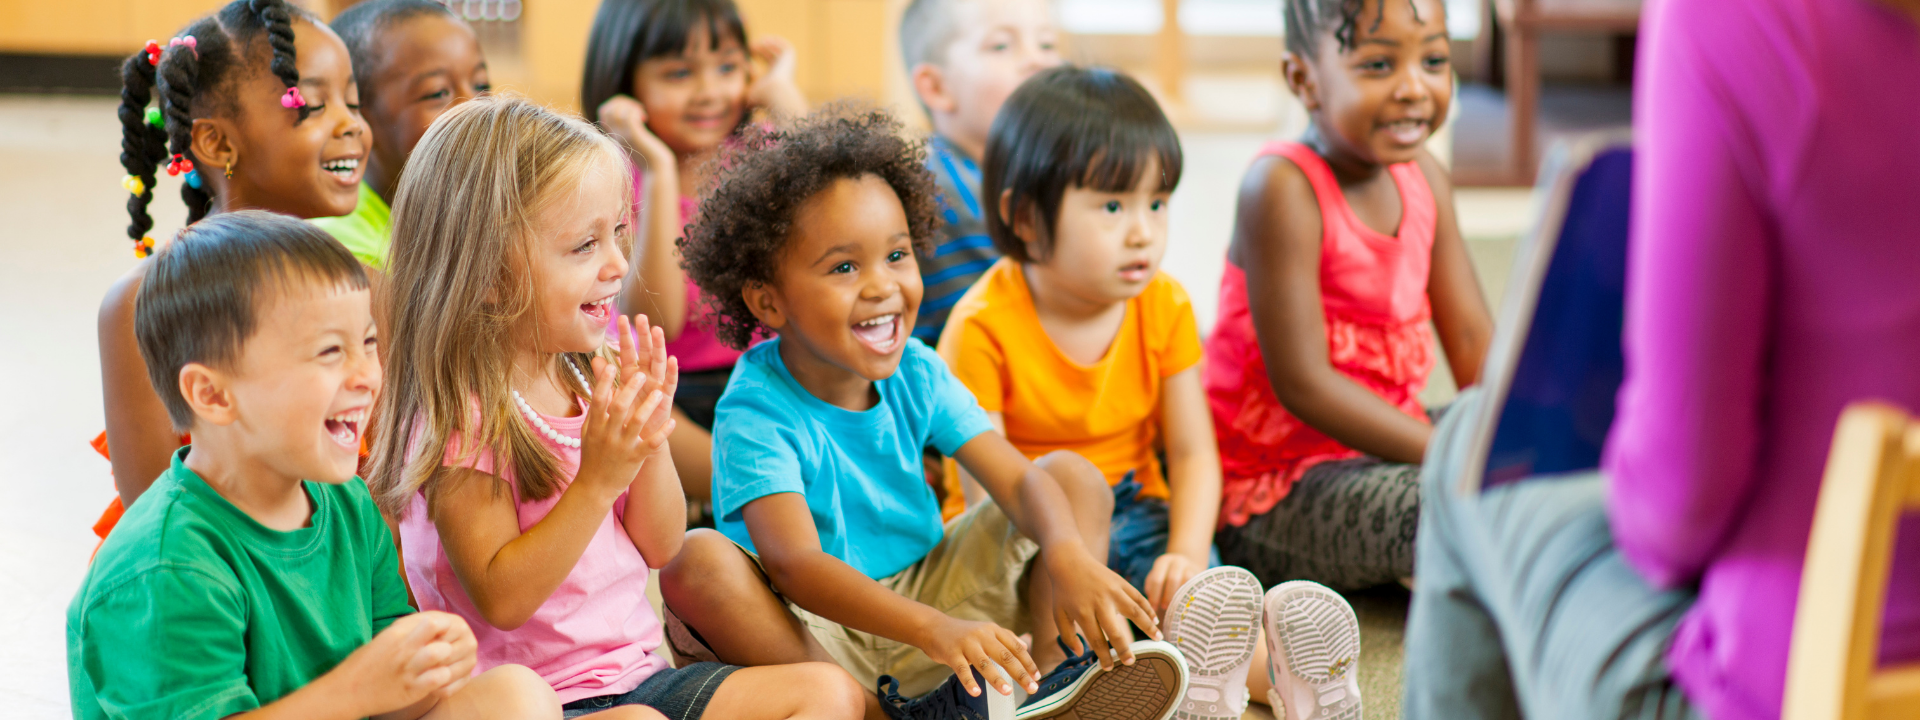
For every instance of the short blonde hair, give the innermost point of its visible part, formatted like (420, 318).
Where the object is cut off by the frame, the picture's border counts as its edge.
(463, 227)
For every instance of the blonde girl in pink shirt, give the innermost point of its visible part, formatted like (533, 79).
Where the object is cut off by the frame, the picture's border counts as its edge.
(523, 459)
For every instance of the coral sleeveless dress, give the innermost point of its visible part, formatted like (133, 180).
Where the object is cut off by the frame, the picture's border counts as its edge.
(1373, 288)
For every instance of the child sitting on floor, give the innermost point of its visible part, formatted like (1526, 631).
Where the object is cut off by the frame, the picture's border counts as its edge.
(526, 467)
(811, 233)
(964, 57)
(256, 576)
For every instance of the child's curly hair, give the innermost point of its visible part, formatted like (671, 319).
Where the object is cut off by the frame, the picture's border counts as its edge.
(739, 235)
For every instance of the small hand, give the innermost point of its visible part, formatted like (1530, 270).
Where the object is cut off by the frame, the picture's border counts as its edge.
(621, 431)
(963, 644)
(626, 119)
(662, 370)
(1095, 603)
(1170, 571)
(775, 87)
(426, 653)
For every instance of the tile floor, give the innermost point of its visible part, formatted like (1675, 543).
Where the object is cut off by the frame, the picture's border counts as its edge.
(63, 244)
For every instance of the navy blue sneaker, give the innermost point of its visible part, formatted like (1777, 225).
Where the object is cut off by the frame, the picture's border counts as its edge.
(1146, 690)
(950, 701)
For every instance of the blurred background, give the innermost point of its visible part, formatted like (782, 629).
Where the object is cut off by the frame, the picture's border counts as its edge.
(1530, 71)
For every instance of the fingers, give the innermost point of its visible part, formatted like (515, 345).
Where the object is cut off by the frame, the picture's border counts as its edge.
(1013, 658)
(600, 412)
(1157, 591)
(1141, 612)
(1095, 633)
(1068, 633)
(964, 671)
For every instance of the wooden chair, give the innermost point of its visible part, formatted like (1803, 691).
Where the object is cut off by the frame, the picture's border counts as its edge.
(1872, 477)
(1524, 22)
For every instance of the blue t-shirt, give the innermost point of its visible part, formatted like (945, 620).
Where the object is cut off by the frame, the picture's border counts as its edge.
(860, 471)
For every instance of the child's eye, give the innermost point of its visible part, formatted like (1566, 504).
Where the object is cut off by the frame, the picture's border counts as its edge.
(443, 93)
(1112, 206)
(372, 343)
(329, 352)
(896, 256)
(1157, 205)
(679, 74)
(483, 88)
(1436, 62)
(841, 269)
(1376, 66)
(728, 68)
(588, 246)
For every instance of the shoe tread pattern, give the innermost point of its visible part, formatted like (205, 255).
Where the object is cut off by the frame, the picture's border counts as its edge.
(1141, 691)
(1322, 638)
(1216, 627)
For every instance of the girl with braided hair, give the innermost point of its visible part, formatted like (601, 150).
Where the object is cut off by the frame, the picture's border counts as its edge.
(253, 106)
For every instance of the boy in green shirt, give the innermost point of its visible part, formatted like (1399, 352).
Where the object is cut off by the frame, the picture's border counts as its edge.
(257, 578)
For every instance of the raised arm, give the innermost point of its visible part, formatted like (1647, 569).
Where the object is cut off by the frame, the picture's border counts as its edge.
(1276, 240)
(1681, 459)
(655, 284)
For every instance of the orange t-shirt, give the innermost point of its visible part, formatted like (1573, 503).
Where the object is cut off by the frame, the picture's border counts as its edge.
(1109, 412)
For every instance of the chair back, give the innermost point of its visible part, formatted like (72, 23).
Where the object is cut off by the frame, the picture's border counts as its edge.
(1872, 478)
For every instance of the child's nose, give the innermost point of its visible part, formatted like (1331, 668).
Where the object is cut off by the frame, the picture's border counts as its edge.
(365, 374)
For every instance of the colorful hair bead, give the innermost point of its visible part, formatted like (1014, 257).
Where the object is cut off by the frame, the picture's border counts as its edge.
(144, 247)
(133, 184)
(188, 41)
(193, 179)
(293, 99)
(153, 52)
(155, 119)
(179, 164)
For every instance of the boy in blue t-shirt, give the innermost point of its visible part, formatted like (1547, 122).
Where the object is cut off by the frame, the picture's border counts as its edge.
(256, 577)
(810, 232)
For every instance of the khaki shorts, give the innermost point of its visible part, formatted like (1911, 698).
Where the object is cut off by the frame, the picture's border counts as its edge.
(977, 572)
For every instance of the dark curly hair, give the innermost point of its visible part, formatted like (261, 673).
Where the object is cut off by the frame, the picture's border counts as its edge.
(740, 233)
(1306, 20)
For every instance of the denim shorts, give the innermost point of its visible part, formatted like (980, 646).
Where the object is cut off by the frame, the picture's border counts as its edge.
(1139, 533)
(678, 693)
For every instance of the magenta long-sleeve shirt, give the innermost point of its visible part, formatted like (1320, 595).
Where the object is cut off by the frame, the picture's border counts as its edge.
(1774, 277)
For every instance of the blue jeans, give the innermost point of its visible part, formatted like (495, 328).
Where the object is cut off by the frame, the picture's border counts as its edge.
(1139, 534)
(1523, 606)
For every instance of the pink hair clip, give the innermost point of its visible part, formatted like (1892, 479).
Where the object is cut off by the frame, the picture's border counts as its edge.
(188, 41)
(293, 99)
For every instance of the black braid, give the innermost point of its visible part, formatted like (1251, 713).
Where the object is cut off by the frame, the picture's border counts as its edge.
(142, 146)
(179, 77)
(1307, 19)
(279, 24)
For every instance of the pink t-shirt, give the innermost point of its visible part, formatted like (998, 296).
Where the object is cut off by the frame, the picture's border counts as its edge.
(596, 635)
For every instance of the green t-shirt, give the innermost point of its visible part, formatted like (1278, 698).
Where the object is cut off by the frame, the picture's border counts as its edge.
(194, 610)
(367, 232)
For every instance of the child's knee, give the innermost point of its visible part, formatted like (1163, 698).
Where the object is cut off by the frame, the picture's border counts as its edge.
(513, 692)
(1085, 486)
(707, 558)
(834, 692)
(629, 712)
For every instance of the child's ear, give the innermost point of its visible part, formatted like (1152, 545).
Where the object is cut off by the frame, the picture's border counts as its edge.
(1020, 222)
(930, 83)
(1300, 79)
(213, 145)
(206, 392)
(764, 302)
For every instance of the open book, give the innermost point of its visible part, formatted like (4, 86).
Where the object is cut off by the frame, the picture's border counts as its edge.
(1554, 366)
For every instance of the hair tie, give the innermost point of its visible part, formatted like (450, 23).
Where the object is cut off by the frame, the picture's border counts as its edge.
(179, 164)
(293, 99)
(143, 247)
(193, 179)
(155, 119)
(153, 52)
(133, 184)
(188, 41)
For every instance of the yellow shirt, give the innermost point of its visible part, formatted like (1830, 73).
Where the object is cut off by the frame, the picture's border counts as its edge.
(1108, 412)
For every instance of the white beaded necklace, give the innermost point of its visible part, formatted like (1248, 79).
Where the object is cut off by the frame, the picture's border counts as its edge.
(540, 423)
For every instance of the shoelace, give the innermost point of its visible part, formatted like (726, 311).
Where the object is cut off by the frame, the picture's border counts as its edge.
(1068, 670)
(957, 705)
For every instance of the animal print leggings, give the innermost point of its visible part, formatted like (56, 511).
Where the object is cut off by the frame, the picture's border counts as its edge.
(1346, 524)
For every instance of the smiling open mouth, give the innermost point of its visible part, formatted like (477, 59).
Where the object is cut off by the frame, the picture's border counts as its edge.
(343, 168)
(344, 428)
(600, 310)
(880, 334)
(1410, 131)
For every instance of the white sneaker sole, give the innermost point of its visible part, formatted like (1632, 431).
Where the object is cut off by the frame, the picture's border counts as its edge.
(1314, 641)
(1214, 619)
(1145, 690)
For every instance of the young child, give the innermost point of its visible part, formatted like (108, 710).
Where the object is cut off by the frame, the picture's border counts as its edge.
(412, 59)
(256, 109)
(257, 578)
(1345, 246)
(810, 233)
(964, 57)
(521, 466)
(1075, 341)
(673, 81)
